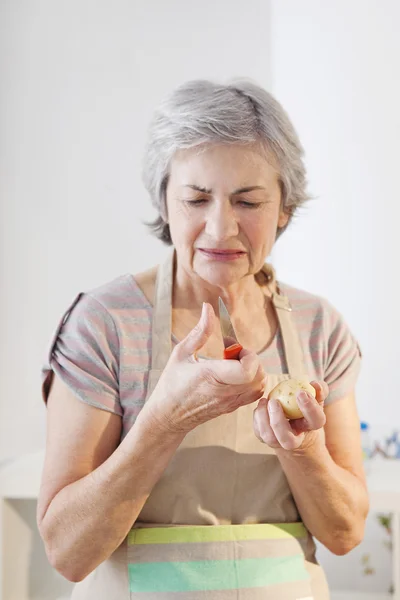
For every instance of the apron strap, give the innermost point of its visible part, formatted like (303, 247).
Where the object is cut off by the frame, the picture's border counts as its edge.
(161, 345)
(290, 336)
(291, 341)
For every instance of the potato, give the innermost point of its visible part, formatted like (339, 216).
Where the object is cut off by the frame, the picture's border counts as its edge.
(286, 393)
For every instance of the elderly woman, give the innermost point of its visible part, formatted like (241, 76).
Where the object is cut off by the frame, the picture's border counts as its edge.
(169, 472)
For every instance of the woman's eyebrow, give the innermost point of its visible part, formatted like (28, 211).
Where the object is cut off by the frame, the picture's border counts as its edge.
(243, 190)
(198, 188)
(250, 188)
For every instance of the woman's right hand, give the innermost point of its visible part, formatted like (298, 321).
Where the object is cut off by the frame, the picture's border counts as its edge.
(191, 391)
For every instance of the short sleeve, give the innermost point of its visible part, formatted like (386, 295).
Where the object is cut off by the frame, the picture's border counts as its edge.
(84, 354)
(343, 357)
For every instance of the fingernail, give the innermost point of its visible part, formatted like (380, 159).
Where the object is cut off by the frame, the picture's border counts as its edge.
(203, 313)
(273, 405)
(257, 419)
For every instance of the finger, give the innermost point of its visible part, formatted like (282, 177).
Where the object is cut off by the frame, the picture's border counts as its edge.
(237, 372)
(256, 422)
(281, 426)
(312, 411)
(198, 336)
(247, 398)
(260, 376)
(299, 426)
(321, 389)
(261, 424)
(251, 365)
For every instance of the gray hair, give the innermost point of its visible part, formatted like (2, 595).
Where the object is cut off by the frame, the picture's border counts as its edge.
(202, 112)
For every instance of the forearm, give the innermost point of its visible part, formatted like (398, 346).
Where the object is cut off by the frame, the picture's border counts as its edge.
(333, 502)
(88, 519)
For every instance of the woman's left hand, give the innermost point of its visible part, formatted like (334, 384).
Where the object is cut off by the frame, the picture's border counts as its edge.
(272, 427)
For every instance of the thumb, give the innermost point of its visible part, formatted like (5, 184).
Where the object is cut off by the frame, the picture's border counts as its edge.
(196, 338)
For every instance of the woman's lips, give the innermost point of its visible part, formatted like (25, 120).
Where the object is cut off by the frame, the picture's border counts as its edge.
(222, 255)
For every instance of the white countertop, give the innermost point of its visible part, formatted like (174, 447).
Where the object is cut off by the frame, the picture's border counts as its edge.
(20, 478)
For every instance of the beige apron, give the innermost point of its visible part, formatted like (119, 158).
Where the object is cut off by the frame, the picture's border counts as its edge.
(221, 523)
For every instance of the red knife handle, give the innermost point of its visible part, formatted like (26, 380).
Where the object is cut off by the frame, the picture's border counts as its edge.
(232, 352)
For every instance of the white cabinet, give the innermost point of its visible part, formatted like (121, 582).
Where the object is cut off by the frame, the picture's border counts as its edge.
(25, 573)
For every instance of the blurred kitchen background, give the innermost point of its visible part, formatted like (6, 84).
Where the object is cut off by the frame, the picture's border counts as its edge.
(79, 80)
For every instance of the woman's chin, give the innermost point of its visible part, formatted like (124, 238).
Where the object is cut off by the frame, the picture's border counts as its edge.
(220, 274)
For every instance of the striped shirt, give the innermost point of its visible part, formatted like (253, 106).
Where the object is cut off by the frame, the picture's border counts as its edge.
(102, 347)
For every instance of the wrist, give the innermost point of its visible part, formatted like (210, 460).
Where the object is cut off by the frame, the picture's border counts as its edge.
(157, 427)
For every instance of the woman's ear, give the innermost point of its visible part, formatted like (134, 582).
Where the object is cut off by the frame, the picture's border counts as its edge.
(283, 219)
(164, 209)
(164, 205)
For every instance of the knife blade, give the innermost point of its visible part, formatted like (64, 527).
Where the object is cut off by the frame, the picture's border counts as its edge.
(232, 346)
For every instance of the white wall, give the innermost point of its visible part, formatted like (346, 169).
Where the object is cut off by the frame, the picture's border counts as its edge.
(79, 82)
(335, 67)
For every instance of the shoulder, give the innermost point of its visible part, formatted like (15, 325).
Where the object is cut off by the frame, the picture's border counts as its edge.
(321, 325)
(103, 326)
(116, 305)
(118, 300)
(122, 293)
(305, 302)
(314, 314)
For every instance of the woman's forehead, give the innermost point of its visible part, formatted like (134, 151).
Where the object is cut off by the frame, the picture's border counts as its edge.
(237, 165)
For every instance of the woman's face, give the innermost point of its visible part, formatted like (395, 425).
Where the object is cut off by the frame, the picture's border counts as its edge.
(224, 208)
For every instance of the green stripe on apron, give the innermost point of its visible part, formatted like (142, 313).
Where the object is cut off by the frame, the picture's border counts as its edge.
(216, 575)
(219, 533)
(214, 558)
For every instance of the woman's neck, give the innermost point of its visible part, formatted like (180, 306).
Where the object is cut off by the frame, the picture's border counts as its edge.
(249, 293)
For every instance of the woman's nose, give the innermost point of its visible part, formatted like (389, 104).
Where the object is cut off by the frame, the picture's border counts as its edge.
(221, 221)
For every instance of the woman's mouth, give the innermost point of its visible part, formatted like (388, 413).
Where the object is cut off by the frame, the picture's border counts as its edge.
(222, 255)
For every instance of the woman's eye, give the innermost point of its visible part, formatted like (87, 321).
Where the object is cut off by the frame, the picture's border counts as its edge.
(196, 202)
(249, 204)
